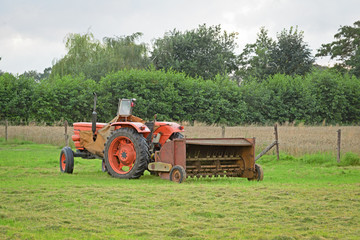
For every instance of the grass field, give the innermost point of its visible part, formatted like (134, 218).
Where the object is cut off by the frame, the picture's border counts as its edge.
(309, 197)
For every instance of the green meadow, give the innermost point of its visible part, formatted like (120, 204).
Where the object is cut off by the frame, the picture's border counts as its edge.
(308, 197)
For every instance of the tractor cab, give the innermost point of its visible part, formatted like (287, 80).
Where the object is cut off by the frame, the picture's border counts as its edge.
(125, 107)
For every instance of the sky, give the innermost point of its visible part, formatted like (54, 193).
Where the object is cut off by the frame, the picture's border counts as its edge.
(32, 32)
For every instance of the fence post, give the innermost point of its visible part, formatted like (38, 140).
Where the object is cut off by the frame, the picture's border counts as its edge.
(223, 131)
(66, 135)
(277, 141)
(6, 130)
(338, 144)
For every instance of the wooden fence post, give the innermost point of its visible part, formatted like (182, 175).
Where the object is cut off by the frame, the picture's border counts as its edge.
(277, 141)
(222, 131)
(66, 135)
(6, 130)
(338, 144)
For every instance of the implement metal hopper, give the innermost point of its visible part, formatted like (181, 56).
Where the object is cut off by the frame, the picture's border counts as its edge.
(201, 157)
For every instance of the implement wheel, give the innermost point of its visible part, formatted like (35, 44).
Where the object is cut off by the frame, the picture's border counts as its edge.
(259, 174)
(126, 154)
(66, 160)
(177, 174)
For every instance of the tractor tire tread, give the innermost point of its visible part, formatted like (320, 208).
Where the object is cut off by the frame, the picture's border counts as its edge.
(140, 144)
(69, 159)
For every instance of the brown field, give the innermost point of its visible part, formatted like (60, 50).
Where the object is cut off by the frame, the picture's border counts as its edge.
(293, 140)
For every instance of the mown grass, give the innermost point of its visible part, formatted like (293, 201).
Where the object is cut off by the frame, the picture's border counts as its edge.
(300, 198)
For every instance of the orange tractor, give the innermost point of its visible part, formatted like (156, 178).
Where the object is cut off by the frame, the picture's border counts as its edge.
(128, 146)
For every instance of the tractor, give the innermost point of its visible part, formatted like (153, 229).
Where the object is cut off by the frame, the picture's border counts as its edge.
(129, 145)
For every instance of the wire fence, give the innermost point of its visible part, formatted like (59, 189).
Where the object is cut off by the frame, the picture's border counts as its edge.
(294, 140)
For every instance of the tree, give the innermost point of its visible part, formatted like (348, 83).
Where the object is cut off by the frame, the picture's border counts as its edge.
(291, 55)
(32, 74)
(37, 76)
(94, 59)
(205, 52)
(122, 52)
(288, 55)
(81, 52)
(46, 74)
(346, 48)
(255, 58)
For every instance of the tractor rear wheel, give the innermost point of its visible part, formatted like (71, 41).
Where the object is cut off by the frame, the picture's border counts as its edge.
(66, 160)
(126, 154)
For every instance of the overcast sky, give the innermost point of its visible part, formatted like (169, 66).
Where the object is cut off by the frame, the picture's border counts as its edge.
(32, 32)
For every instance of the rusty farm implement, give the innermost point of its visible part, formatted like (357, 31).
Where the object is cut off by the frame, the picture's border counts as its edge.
(128, 146)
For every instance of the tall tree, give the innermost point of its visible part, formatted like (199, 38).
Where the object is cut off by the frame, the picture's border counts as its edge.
(255, 58)
(37, 76)
(123, 52)
(81, 52)
(205, 51)
(291, 55)
(345, 48)
(94, 59)
(288, 55)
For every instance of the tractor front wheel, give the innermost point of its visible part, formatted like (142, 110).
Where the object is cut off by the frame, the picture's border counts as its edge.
(126, 154)
(66, 160)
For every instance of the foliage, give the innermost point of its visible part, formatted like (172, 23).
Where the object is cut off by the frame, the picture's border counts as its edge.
(350, 159)
(37, 76)
(320, 95)
(345, 48)
(288, 55)
(94, 59)
(17, 94)
(319, 159)
(255, 58)
(202, 52)
(190, 80)
(65, 98)
(171, 95)
(291, 55)
(331, 103)
(280, 98)
(122, 52)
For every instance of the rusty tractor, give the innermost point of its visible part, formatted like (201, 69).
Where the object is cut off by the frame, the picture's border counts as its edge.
(128, 146)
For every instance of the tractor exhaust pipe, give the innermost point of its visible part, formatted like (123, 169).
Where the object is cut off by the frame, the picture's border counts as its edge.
(94, 116)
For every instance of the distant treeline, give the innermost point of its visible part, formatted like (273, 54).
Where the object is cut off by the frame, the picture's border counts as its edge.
(321, 95)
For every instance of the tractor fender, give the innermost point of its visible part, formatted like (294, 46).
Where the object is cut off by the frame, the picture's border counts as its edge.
(166, 129)
(138, 126)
